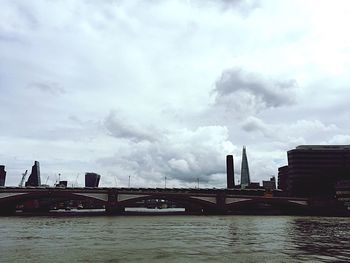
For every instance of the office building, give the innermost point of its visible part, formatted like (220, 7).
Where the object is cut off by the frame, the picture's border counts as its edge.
(245, 176)
(92, 179)
(282, 178)
(314, 170)
(270, 185)
(34, 178)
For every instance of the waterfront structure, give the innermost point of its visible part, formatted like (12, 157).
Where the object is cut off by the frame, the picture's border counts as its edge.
(2, 175)
(314, 170)
(62, 184)
(253, 185)
(230, 172)
(92, 179)
(245, 177)
(34, 178)
(270, 185)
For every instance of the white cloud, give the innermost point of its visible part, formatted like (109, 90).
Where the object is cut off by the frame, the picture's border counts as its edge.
(64, 65)
(340, 139)
(122, 128)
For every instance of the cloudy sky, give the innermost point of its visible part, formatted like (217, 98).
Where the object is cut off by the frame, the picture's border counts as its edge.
(149, 89)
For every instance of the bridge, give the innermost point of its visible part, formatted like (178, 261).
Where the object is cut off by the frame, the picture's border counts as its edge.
(115, 200)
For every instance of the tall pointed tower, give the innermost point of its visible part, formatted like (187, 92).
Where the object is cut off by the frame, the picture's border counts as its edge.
(245, 177)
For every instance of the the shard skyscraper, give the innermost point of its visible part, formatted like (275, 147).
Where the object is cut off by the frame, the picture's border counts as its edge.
(245, 177)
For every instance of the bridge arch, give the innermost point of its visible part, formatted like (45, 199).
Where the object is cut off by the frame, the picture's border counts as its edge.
(9, 201)
(274, 204)
(189, 202)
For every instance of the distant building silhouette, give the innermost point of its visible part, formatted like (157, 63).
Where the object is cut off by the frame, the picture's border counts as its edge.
(63, 183)
(245, 176)
(283, 178)
(253, 185)
(269, 185)
(2, 175)
(230, 172)
(92, 179)
(314, 170)
(34, 178)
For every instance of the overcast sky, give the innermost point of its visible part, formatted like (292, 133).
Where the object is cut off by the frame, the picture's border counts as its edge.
(149, 89)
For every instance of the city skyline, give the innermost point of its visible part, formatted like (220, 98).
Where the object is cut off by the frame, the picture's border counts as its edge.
(150, 90)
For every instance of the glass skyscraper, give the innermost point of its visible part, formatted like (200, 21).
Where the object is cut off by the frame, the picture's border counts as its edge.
(245, 177)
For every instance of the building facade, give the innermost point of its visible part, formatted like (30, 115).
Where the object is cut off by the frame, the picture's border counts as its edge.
(269, 185)
(314, 170)
(34, 178)
(92, 179)
(282, 178)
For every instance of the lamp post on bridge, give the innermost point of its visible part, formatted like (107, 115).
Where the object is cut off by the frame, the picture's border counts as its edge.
(165, 182)
(129, 182)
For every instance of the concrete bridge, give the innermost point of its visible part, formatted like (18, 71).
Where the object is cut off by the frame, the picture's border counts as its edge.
(115, 200)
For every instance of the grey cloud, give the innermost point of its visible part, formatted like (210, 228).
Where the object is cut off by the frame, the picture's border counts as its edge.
(241, 90)
(120, 127)
(49, 87)
(28, 16)
(10, 38)
(25, 14)
(242, 6)
(252, 124)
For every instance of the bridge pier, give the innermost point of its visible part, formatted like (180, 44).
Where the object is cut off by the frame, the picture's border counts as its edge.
(112, 207)
(220, 208)
(8, 209)
(193, 209)
(115, 210)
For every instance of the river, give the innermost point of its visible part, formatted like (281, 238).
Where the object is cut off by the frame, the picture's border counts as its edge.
(174, 239)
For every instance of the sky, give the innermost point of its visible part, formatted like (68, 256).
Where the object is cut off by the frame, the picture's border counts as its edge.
(153, 89)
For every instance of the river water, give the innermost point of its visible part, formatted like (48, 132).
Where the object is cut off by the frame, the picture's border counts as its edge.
(174, 239)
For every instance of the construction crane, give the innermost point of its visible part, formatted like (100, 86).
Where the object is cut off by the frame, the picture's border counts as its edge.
(23, 178)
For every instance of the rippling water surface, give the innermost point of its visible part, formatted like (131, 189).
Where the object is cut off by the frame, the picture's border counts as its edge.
(175, 239)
